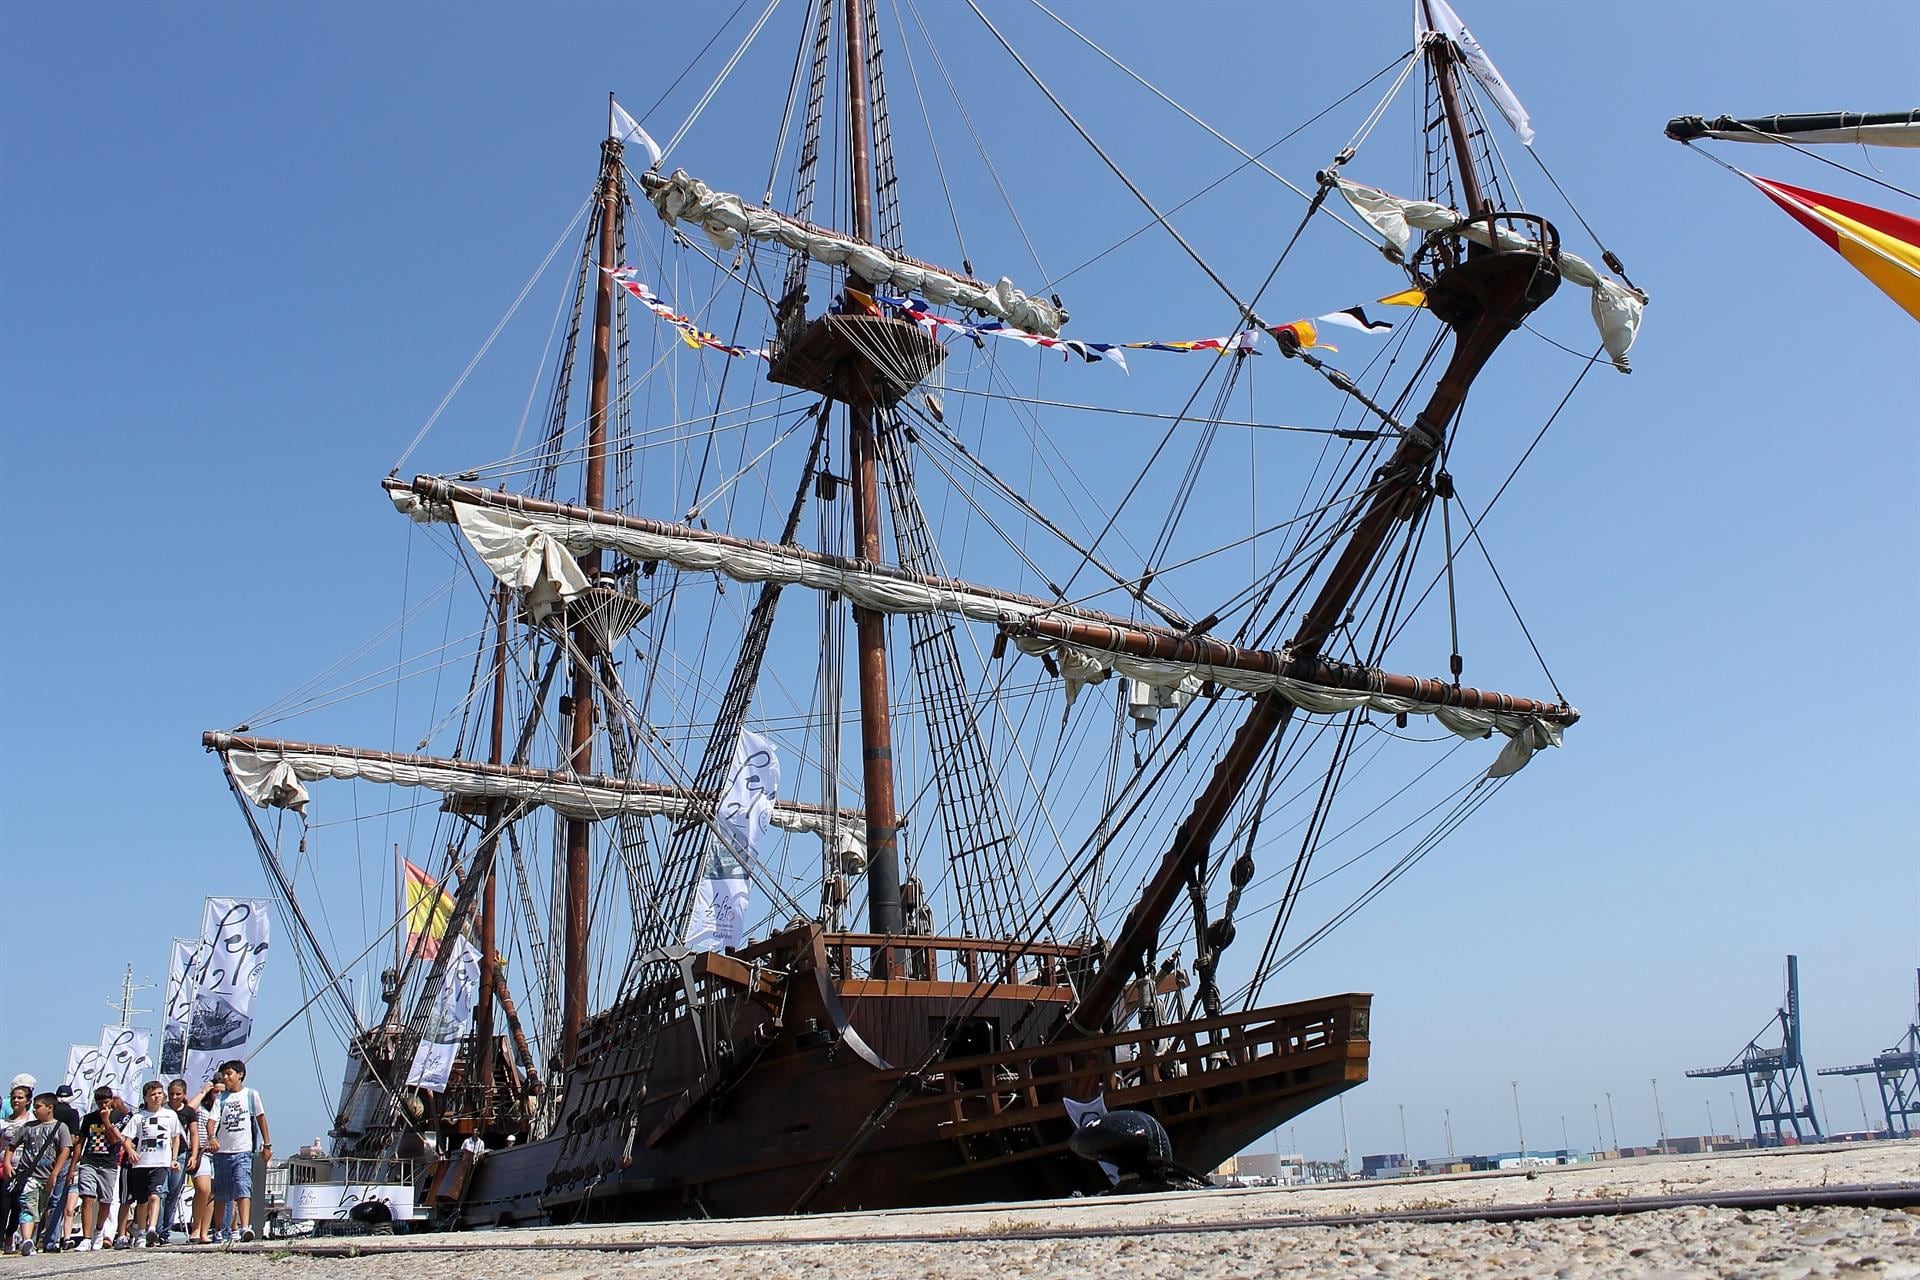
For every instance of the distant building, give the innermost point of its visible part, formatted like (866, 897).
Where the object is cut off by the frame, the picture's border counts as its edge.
(1394, 1165)
(1269, 1165)
(1532, 1159)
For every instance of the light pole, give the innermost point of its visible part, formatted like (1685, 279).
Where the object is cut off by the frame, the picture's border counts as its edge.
(1346, 1158)
(1736, 1112)
(1866, 1125)
(1566, 1143)
(1709, 1117)
(1518, 1123)
(1612, 1124)
(1599, 1135)
(1659, 1116)
(1405, 1149)
(1447, 1119)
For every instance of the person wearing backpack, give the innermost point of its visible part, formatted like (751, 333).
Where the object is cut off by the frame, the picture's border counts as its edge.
(39, 1157)
(19, 1116)
(238, 1114)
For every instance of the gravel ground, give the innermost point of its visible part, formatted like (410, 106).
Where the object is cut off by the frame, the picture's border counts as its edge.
(1775, 1245)
(1879, 1244)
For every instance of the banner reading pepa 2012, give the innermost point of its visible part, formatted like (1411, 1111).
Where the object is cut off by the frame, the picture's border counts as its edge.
(229, 957)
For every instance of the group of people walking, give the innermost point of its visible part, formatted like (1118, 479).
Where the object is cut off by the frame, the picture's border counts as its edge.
(63, 1174)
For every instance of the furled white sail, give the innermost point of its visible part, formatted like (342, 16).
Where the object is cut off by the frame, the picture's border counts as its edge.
(490, 528)
(260, 770)
(1876, 129)
(1617, 309)
(527, 559)
(1525, 734)
(725, 217)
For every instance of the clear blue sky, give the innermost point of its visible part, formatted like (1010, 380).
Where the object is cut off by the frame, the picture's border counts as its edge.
(248, 249)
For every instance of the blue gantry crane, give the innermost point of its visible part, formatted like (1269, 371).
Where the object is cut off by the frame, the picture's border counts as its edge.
(1777, 1090)
(1898, 1070)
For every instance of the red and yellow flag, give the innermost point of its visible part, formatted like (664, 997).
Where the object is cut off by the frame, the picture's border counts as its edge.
(429, 912)
(1884, 247)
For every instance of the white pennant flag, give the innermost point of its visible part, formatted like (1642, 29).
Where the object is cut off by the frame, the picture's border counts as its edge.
(719, 916)
(1447, 23)
(625, 129)
(452, 1015)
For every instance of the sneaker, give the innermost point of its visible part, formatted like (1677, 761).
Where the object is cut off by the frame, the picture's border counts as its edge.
(86, 1246)
(138, 1242)
(53, 1246)
(26, 1248)
(119, 1242)
(155, 1238)
(246, 1235)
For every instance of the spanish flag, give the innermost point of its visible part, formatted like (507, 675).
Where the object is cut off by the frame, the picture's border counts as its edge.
(429, 912)
(1884, 247)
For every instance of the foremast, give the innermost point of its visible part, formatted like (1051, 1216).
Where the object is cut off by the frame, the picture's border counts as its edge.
(1482, 295)
(584, 643)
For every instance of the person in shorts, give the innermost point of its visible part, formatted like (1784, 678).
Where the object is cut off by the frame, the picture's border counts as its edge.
(19, 1116)
(60, 1197)
(101, 1146)
(201, 1171)
(238, 1113)
(189, 1119)
(39, 1157)
(154, 1132)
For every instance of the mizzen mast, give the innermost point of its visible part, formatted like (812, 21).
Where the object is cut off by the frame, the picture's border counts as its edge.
(1482, 294)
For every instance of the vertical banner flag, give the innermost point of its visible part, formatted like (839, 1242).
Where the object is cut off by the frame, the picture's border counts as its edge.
(429, 912)
(83, 1072)
(452, 1015)
(179, 1008)
(719, 917)
(1447, 23)
(230, 954)
(125, 1058)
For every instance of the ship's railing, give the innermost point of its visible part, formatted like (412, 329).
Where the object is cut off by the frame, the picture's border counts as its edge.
(927, 958)
(308, 1170)
(1133, 1067)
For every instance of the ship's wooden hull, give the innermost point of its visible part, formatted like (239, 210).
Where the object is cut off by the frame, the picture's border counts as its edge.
(752, 1098)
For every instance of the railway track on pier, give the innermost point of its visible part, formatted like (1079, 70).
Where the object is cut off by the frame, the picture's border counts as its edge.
(789, 1233)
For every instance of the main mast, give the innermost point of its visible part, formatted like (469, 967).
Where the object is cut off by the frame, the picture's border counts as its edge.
(585, 645)
(1482, 295)
(870, 627)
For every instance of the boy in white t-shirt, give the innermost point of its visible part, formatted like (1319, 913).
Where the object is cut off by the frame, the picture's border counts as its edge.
(155, 1134)
(239, 1114)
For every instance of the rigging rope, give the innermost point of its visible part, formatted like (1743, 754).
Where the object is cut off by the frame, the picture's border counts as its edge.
(1783, 140)
(718, 80)
(498, 328)
(1410, 60)
(1246, 312)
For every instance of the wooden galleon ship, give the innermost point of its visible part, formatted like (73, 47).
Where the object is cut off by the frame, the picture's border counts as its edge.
(663, 984)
